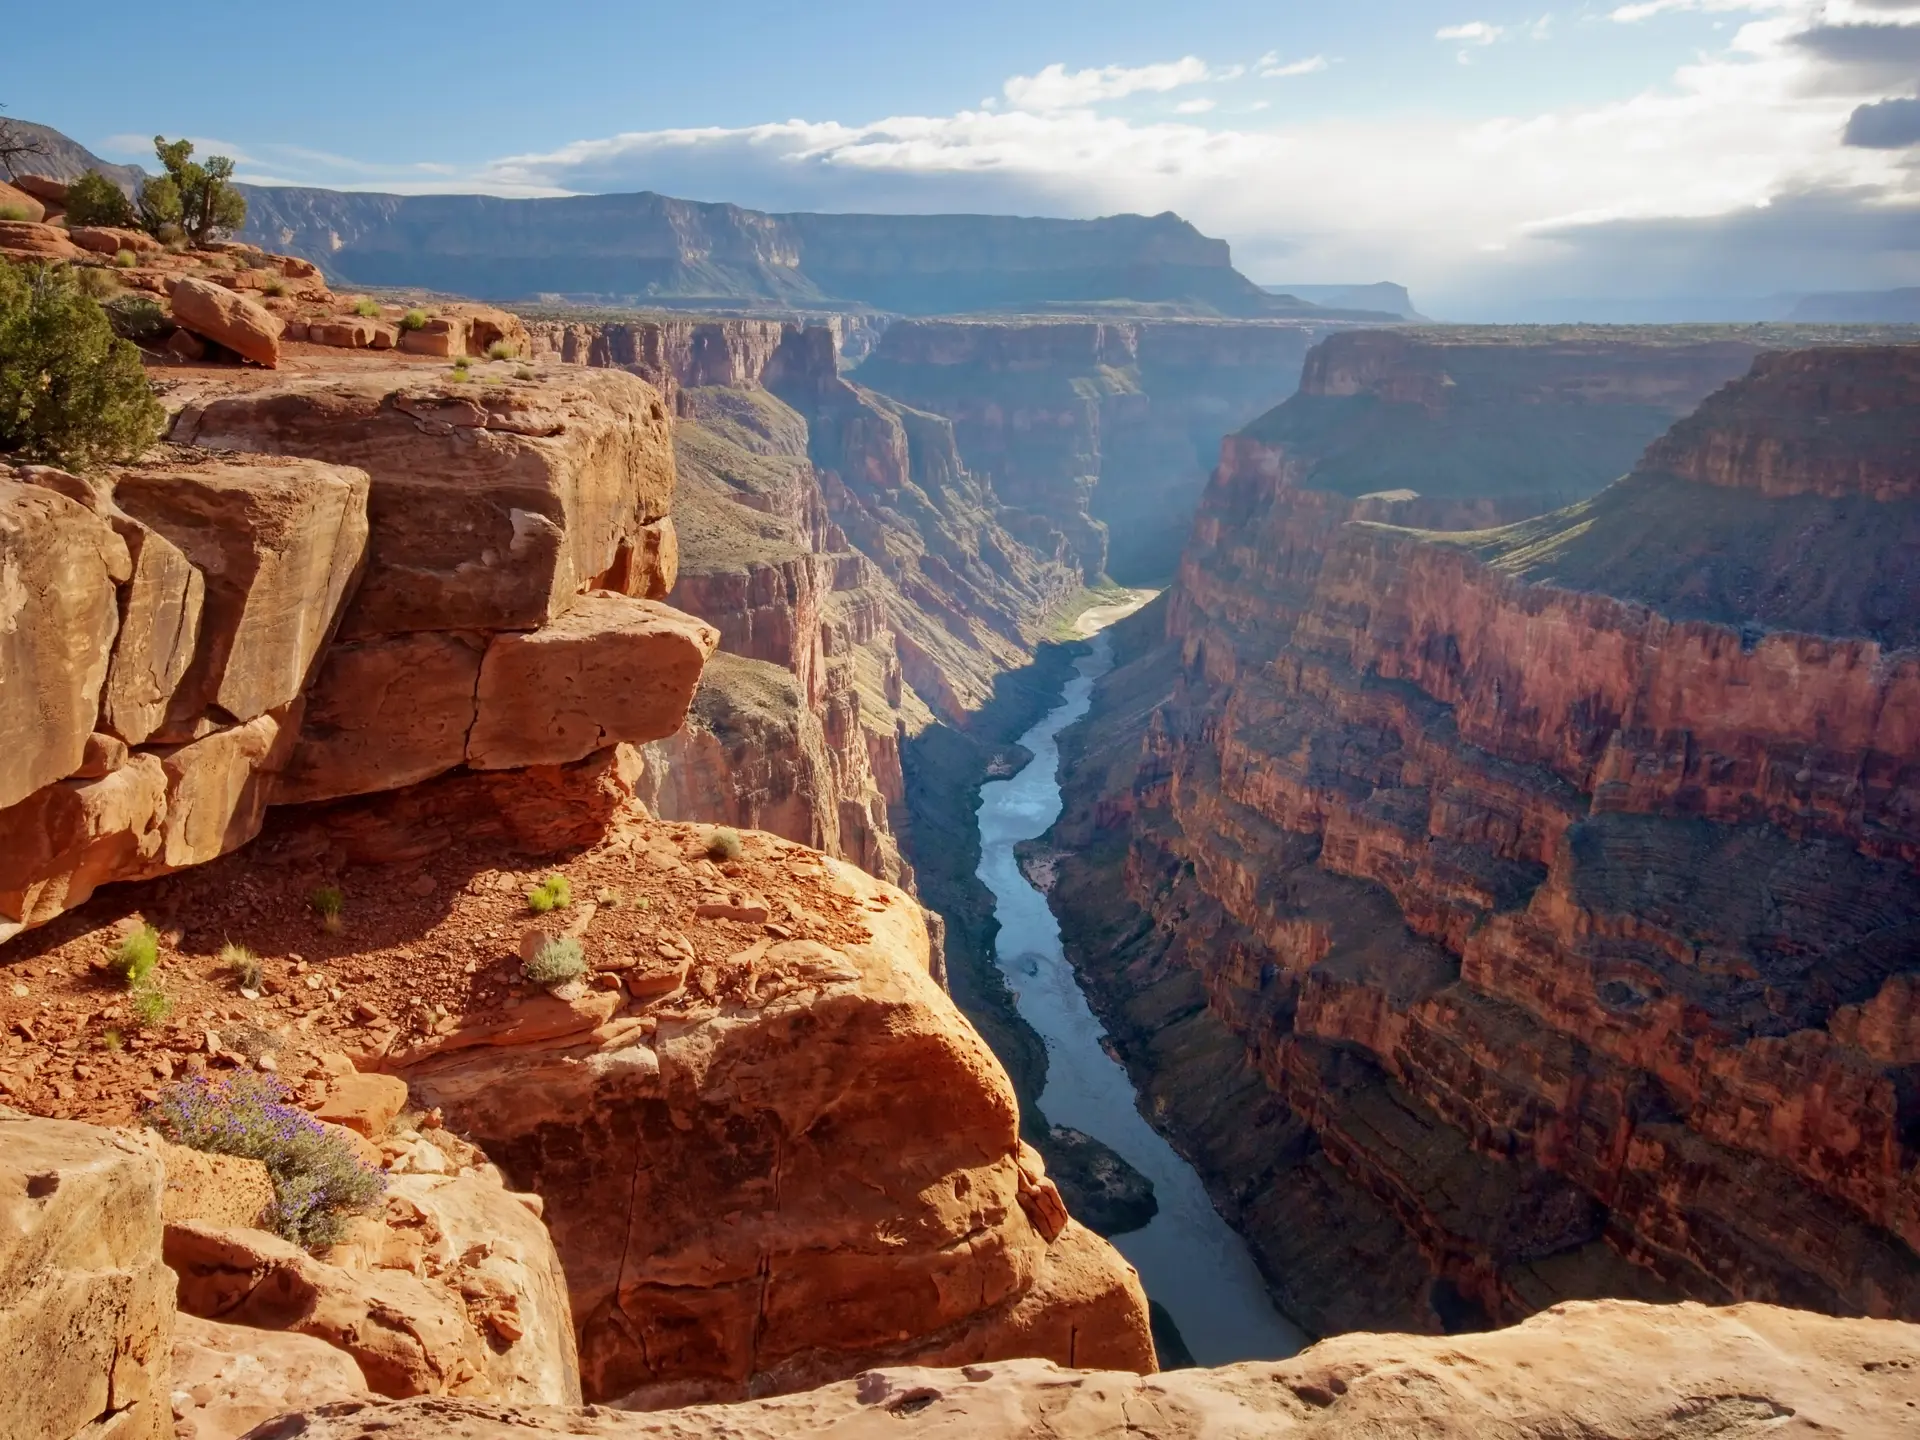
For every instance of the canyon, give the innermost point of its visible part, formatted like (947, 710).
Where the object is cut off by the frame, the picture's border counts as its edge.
(1521, 914)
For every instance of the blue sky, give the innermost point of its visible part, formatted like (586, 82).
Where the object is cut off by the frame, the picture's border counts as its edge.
(1472, 150)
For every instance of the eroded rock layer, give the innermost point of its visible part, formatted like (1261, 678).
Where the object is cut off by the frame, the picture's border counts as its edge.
(1543, 897)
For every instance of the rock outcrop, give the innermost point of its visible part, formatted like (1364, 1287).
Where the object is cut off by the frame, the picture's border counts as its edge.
(87, 1322)
(1543, 897)
(337, 581)
(1631, 1372)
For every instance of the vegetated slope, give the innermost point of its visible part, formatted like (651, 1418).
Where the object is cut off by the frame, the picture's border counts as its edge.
(1542, 899)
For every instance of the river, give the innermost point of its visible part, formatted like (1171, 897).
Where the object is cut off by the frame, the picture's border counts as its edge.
(1189, 1259)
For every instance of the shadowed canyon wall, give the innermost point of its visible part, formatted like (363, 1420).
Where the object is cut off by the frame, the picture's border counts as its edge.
(1536, 906)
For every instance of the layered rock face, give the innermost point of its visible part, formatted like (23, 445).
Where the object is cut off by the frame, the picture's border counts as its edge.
(1633, 1372)
(834, 535)
(333, 582)
(1105, 430)
(1541, 901)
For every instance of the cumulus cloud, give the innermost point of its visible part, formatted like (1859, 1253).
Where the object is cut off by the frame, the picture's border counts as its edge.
(1271, 67)
(1058, 88)
(1474, 32)
(1885, 125)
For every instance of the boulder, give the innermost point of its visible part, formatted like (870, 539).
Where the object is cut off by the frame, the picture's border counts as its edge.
(244, 326)
(28, 240)
(408, 1337)
(612, 669)
(26, 206)
(1588, 1368)
(492, 507)
(59, 613)
(344, 332)
(648, 564)
(385, 713)
(229, 1378)
(43, 188)
(364, 1103)
(443, 335)
(280, 542)
(111, 240)
(86, 1306)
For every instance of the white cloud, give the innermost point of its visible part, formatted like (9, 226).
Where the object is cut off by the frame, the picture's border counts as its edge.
(1198, 106)
(1474, 32)
(1270, 66)
(1058, 88)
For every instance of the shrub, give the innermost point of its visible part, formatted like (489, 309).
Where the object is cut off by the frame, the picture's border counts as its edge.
(525, 372)
(149, 1004)
(329, 904)
(318, 1181)
(95, 200)
(414, 320)
(724, 844)
(159, 209)
(15, 212)
(113, 1040)
(557, 961)
(274, 287)
(553, 893)
(125, 259)
(134, 959)
(366, 309)
(96, 283)
(501, 350)
(71, 391)
(138, 318)
(241, 963)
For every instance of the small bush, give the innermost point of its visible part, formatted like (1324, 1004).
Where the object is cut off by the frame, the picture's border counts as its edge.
(274, 287)
(243, 965)
(553, 893)
(71, 391)
(16, 212)
(501, 350)
(525, 372)
(95, 200)
(414, 320)
(136, 956)
(125, 259)
(724, 844)
(329, 904)
(149, 1005)
(138, 318)
(367, 309)
(96, 283)
(113, 1041)
(556, 962)
(318, 1181)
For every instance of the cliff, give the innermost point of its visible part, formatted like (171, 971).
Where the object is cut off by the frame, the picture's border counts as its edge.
(652, 249)
(1106, 430)
(1543, 897)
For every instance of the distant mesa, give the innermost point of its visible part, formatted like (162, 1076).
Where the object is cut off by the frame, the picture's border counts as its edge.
(1382, 296)
(1861, 307)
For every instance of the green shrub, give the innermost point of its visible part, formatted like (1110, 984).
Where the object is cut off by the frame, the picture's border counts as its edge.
(16, 212)
(724, 844)
(204, 203)
(138, 318)
(125, 259)
(329, 904)
(501, 350)
(149, 1005)
(96, 283)
(557, 961)
(95, 200)
(274, 287)
(137, 954)
(553, 893)
(71, 392)
(414, 320)
(243, 965)
(367, 309)
(159, 210)
(318, 1180)
(525, 372)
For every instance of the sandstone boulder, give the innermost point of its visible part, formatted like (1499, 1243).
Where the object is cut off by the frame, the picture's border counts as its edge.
(86, 1307)
(43, 188)
(280, 543)
(26, 205)
(492, 507)
(612, 669)
(25, 240)
(345, 332)
(58, 617)
(364, 1103)
(229, 1378)
(443, 335)
(245, 327)
(1603, 1368)
(111, 240)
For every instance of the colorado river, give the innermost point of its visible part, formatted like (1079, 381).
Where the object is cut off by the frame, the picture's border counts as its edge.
(1190, 1261)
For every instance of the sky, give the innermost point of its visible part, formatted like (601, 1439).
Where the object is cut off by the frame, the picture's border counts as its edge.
(1497, 158)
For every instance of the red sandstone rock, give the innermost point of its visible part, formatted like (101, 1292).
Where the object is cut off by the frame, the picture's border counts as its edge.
(229, 1378)
(365, 1103)
(109, 240)
(43, 188)
(249, 330)
(29, 207)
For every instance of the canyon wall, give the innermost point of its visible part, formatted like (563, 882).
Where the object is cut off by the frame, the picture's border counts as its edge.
(1538, 902)
(1105, 429)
